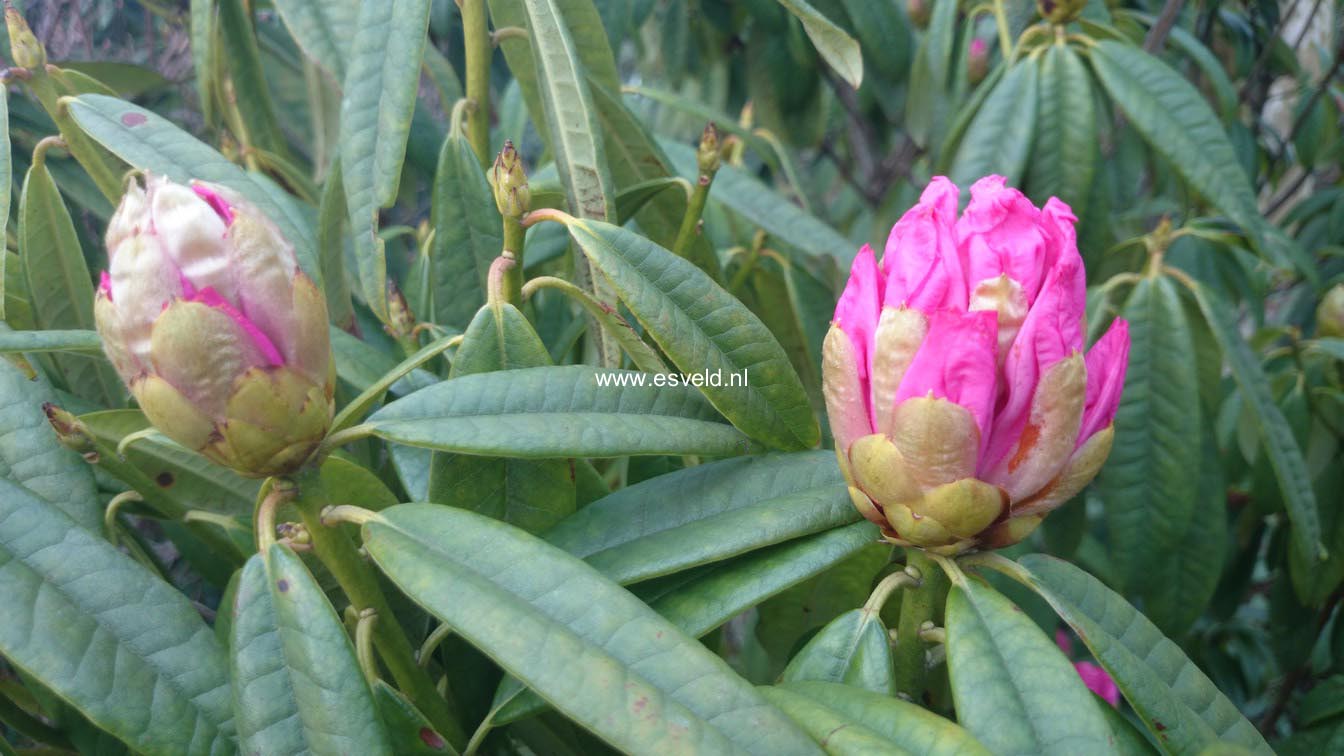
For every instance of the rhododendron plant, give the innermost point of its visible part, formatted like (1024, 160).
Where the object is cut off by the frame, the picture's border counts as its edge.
(962, 404)
(512, 377)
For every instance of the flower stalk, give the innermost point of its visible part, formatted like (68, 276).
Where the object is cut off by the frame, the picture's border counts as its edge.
(919, 605)
(707, 161)
(338, 552)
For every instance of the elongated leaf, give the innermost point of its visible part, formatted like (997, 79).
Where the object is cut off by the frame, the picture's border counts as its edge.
(31, 456)
(1178, 123)
(999, 138)
(331, 248)
(381, 81)
(296, 685)
(1179, 704)
(836, 47)
(930, 81)
(570, 118)
(573, 411)
(123, 647)
(1013, 688)
(853, 649)
(150, 142)
(747, 196)
(1149, 481)
(467, 234)
(1064, 153)
(533, 494)
(701, 599)
(60, 288)
(848, 720)
(202, 54)
(1280, 445)
(50, 341)
(623, 672)
(702, 327)
(249, 92)
(6, 180)
(706, 513)
(324, 30)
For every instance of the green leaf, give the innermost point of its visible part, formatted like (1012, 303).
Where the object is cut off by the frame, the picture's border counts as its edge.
(409, 731)
(1176, 701)
(467, 234)
(331, 249)
(50, 341)
(747, 196)
(381, 82)
(533, 494)
(6, 181)
(60, 288)
(791, 617)
(999, 137)
(1012, 687)
(701, 599)
(623, 672)
(31, 456)
(1064, 152)
(853, 649)
(296, 685)
(836, 47)
(149, 142)
(203, 56)
(569, 115)
(557, 412)
(705, 514)
(1284, 454)
(250, 93)
(848, 720)
(1174, 118)
(323, 29)
(590, 43)
(702, 327)
(123, 647)
(1149, 483)
(930, 98)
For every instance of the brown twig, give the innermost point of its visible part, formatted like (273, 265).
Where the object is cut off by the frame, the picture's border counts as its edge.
(1162, 27)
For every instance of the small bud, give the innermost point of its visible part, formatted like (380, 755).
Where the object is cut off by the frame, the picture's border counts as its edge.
(27, 51)
(1060, 12)
(1330, 313)
(507, 178)
(977, 62)
(401, 321)
(70, 431)
(707, 157)
(918, 11)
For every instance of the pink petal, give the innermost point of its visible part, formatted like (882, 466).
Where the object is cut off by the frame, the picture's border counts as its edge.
(921, 260)
(208, 296)
(1106, 363)
(1061, 237)
(216, 202)
(1052, 331)
(858, 311)
(1098, 681)
(999, 233)
(957, 362)
(105, 285)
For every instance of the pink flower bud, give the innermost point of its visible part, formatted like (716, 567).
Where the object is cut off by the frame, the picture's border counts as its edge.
(209, 321)
(977, 61)
(961, 401)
